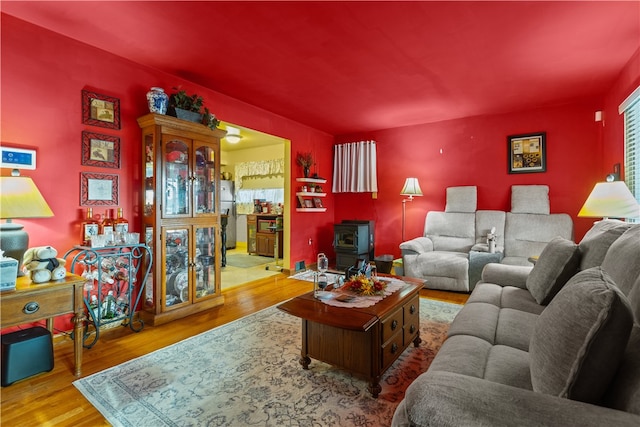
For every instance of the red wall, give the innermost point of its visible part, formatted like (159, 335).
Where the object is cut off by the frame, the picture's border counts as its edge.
(43, 74)
(474, 152)
(613, 124)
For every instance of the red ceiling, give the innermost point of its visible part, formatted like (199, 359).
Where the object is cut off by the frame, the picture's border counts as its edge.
(346, 67)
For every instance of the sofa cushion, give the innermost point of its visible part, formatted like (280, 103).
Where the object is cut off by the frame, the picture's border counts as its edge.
(532, 199)
(580, 338)
(505, 297)
(527, 235)
(622, 260)
(451, 231)
(596, 242)
(462, 199)
(558, 262)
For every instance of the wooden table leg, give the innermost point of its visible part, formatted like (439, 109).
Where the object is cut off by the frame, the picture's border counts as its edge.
(78, 321)
(374, 387)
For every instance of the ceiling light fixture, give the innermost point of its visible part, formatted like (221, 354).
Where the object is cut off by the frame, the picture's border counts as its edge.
(233, 135)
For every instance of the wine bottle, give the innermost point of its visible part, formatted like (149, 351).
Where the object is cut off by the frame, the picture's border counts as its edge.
(90, 227)
(120, 224)
(106, 226)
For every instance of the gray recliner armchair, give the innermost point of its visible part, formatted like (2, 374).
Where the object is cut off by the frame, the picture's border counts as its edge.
(453, 250)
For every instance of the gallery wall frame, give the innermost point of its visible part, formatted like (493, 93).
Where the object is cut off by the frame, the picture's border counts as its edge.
(98, 189)
(527, 153)
(100, 150)
(100, 110)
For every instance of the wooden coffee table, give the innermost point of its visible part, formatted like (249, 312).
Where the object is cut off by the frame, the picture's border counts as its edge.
(363, 341)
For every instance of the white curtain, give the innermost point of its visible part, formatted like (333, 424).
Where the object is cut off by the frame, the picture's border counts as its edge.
(258, 169)
(355, 168)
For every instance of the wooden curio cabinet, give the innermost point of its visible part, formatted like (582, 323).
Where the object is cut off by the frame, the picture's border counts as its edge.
(181, 216)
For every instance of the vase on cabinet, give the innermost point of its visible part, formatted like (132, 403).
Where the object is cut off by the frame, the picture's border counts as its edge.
(158, 100)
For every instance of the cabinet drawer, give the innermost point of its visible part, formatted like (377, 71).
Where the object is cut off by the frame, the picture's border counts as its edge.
(50, 304)
(411, 319)
(391, 350)
(391, 325)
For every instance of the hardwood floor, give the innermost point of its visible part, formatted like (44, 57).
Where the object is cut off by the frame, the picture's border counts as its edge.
(50, 399)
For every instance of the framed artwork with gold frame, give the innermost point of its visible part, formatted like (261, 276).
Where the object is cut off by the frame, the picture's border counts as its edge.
(527, 153)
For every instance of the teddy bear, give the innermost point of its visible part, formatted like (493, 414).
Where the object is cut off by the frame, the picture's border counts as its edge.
(42, 265)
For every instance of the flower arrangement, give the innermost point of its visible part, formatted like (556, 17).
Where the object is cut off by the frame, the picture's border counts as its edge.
(363, 285)
(305, 160)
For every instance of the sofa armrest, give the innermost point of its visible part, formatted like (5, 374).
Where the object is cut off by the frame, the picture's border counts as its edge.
(416, 246)
(450, 399)
(506, 275)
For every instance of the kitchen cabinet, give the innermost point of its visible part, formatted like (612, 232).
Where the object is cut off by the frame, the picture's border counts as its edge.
(181, 217)
(262, 231)
(252, 229)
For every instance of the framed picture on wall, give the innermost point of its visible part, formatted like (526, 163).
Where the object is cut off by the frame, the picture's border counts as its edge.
(100, 150)
(100, 110)
(98, 189)
(527, 153)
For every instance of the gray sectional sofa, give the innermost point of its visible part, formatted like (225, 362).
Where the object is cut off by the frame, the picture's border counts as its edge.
(556, 344)
(453, 249)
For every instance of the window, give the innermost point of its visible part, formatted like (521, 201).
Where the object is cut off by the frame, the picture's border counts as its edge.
(631, 109)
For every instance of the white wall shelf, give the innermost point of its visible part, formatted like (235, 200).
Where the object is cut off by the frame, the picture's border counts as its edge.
(310, 194)
(311, 209)
(314, 180)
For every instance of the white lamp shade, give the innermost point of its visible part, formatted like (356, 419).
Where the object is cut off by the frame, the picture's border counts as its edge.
(20, 198)
(610, 200)
(411, 188)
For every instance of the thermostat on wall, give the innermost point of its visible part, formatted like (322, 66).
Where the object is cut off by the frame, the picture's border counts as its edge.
(18, 158)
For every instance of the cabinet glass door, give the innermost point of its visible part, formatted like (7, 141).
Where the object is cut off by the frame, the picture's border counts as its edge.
(204, 184)
(176, 198)
(149, 178)
(205, 261)
(176, 265)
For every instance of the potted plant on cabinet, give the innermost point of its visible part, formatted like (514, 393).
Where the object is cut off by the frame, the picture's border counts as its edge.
(188, 107)
(306, 161)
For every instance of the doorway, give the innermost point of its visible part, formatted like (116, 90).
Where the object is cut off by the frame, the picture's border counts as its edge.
(257, 166)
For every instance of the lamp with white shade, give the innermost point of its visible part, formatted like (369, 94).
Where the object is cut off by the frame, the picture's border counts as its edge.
(411, 188)
(19, 198)
(611, 199)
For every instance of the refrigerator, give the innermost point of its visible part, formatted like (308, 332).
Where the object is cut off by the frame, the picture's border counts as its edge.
(228, 206)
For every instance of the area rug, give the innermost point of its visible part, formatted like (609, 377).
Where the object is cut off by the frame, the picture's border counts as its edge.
(247, 261)
(246, 373)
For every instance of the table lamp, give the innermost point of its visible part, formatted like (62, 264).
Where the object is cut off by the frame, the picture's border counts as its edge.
(411, 188)
(19, 198)
(611, 199)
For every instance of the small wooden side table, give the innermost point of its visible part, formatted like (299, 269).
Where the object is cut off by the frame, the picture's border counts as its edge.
(31, 302)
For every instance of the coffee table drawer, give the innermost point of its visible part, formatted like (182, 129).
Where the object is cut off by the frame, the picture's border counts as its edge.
(392, 325)
(391, 350)
(411, 319)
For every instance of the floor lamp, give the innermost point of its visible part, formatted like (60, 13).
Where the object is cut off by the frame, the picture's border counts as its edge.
(411, 188)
